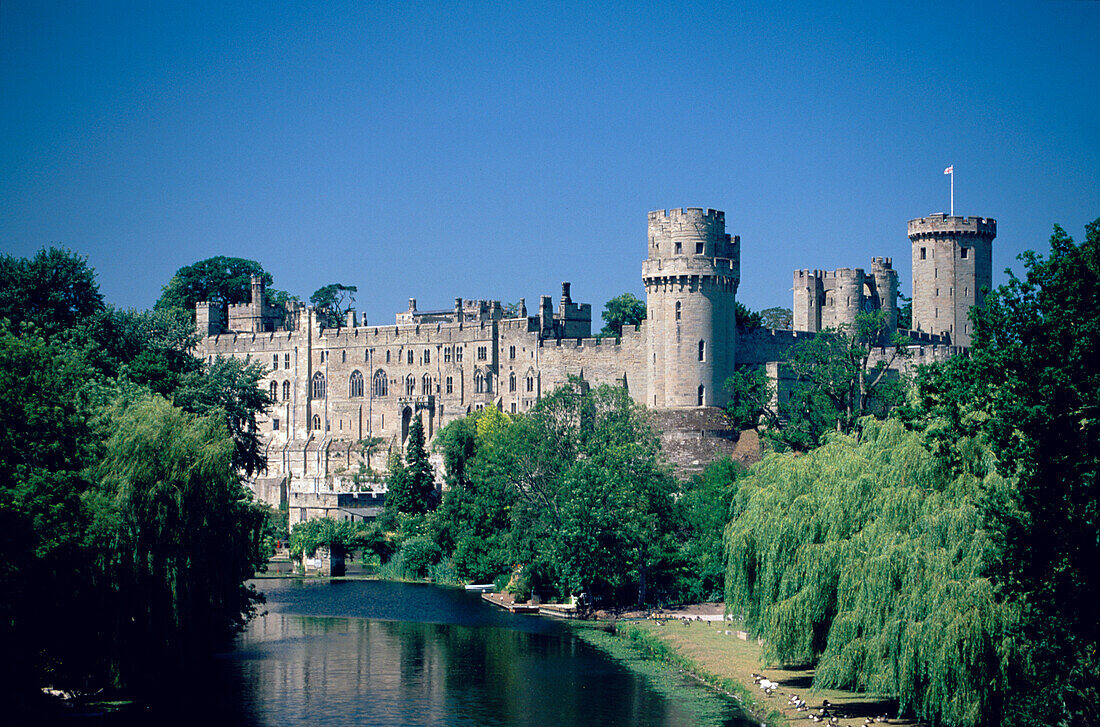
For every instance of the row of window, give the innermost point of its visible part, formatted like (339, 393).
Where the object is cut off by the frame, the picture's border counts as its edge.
(449, 353)
(483, 384)
(964, 253)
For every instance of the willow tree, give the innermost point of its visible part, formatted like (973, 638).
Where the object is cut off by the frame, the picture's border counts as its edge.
(867, 558)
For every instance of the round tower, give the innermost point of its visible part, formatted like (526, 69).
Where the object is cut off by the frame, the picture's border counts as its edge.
(886, 289)
(952, 265)
(847, 297)
(691, 278)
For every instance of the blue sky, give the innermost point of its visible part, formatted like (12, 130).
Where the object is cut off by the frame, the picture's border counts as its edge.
(493, 150)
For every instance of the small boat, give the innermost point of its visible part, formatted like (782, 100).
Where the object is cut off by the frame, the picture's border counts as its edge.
(480, 587)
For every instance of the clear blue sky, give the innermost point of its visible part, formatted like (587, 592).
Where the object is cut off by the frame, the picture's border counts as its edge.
(435, 150)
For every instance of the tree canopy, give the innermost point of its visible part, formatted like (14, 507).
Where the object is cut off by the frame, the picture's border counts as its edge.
(222, 280)
(333, 302)
(622, 310)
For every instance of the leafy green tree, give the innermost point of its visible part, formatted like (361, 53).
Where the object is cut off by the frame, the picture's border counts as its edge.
(223, 280)
(868, 557)
(622, 310)
(230, 388)
(411, 487)
(751, 394)
(905, 312)
(747, 320)
(333, 302)
(55, 290)
(339, 536)
(1032, 386)
(843, 376)
(781, 318)
(703, 509)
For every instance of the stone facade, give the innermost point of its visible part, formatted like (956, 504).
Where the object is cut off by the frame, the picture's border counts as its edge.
(334, 387)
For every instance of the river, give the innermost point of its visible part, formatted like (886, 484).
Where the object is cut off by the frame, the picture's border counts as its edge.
(382, 653)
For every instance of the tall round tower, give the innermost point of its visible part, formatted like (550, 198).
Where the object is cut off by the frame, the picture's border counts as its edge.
(952, 263)
(691, 278)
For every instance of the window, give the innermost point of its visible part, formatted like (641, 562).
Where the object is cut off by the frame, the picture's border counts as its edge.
(343, 357)
(679, 248)
(446, 354)
(698, 248)
(378, 382)
(937, 291)
(274, 362)
(530, 383)
(409, 356)
(511, 352)
(323, 356)
(286, 390)
(450, 385)
(511, 382)
(366, 355)
(702, 350)
(702, 394)
(513, 407)
(387, 355)
(410, 385)
(963, 252)
(923, 253)
(316, 423)
(274, 425)
(274, 391)
(479, 382)
(458, 354)
(482, 353)
(317, 390)
(677, 310)
(427, 355)
(426, 385)
(355, 384)
(286, 360)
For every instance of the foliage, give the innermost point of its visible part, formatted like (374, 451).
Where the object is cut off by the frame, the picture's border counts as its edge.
(841, 378)
(622, 310)
(747, 320)
(777, 317)
(55, 290)
(229, 388)
(750, 404)
(339, 536)
(703, 509)
(868, 556)
(333, 301)
(1032, 386)
(222, 280)
(905, 312)
(411, 486)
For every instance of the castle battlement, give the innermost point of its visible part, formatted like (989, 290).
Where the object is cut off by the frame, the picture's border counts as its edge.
(692, 212)
(946, 224)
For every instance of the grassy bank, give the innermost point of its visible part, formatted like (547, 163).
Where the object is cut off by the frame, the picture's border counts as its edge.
(717, 656)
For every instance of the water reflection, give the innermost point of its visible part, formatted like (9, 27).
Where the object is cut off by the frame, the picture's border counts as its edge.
(376, 653)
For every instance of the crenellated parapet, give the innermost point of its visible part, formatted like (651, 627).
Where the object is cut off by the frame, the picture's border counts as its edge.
(943, 225)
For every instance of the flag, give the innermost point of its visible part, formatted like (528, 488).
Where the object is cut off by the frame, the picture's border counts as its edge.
(949, 170)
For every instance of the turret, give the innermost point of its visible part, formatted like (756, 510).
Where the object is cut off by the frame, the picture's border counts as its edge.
(691, 278)
(952, 266)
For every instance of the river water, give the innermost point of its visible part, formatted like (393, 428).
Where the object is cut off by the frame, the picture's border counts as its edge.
(382, 653)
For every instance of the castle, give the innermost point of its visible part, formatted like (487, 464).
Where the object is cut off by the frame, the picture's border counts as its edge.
(334, 387)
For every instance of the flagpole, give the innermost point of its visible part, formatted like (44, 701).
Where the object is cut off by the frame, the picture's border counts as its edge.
(952, 190)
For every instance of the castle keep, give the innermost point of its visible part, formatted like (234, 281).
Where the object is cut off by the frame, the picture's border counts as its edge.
(334, 387)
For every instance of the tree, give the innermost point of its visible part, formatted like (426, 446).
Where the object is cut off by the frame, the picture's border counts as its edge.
(750, 404)
(222, 280)
(782, 318)
(622, 310)
(843, 375)
(747, 320)
(411, 487)
(55, 290)
(333, 302)
(230, 388)
(339, 536)
(1032, 386)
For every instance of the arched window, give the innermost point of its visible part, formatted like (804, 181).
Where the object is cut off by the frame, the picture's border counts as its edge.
(530, 383)
(479, 382)
(317, 390)
(512, 381)
(410, 385)
(702, 350)
(379, 383)
(316, 423)
(702, 394)
(355, 384)
(274, 390)
(677, 310)
(426, 384)
(286, 390)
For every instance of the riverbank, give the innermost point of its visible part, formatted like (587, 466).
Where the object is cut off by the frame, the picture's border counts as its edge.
(727, 660)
